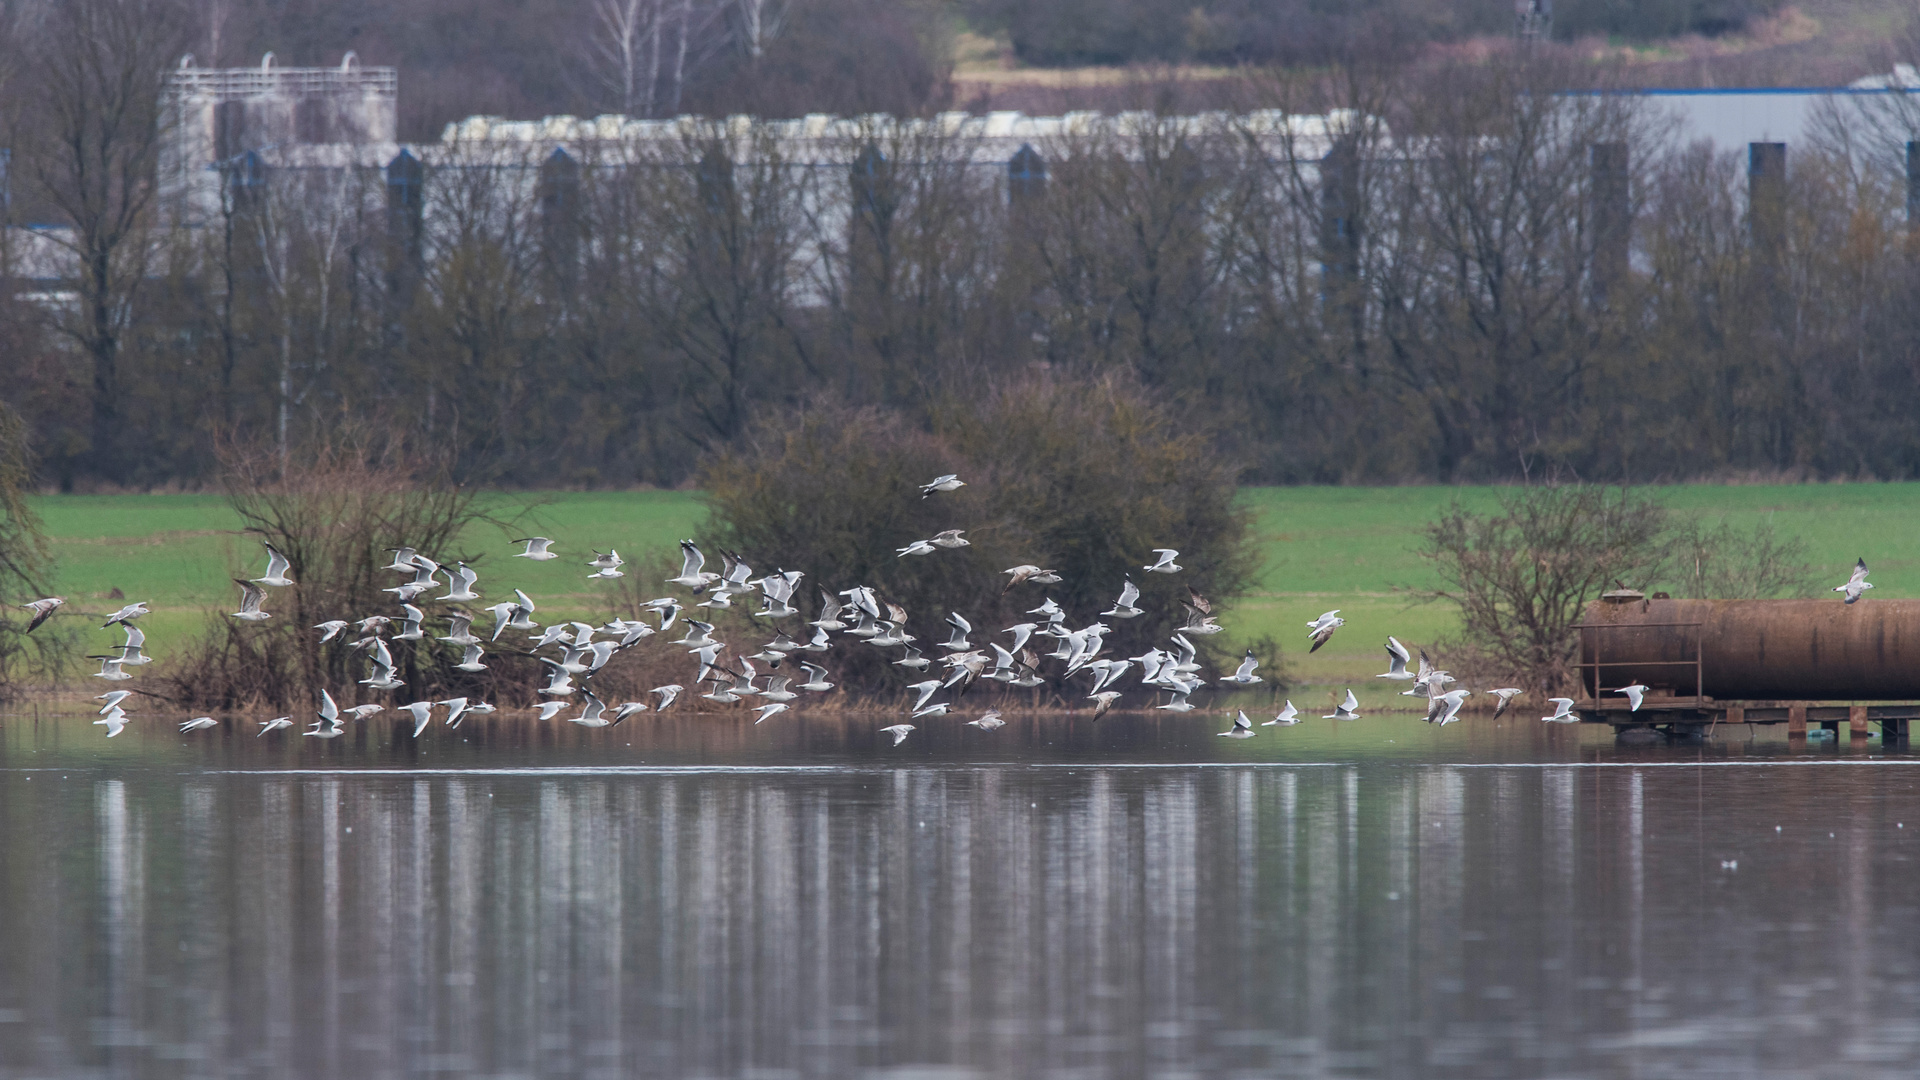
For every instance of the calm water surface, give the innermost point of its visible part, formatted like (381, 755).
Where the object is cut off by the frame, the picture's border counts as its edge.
(701, 898)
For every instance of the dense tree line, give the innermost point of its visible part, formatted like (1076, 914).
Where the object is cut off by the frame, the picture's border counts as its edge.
(1069, 32)
(545, 57)
(791, 57)
(1474, 278)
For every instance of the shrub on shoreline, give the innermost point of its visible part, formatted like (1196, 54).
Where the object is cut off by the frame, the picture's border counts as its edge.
(1085, 477)
(26, 567)
(1522, 575)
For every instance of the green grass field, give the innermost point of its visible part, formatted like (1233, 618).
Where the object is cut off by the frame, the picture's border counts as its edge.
(1353, 548)
(1346, 548)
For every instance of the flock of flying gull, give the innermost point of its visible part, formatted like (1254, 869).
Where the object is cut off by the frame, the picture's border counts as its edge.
(585, 649)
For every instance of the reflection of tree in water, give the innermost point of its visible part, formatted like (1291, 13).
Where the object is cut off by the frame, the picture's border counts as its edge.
(1009, 920)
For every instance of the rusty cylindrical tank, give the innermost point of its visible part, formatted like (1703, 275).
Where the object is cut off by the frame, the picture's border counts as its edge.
(1801, 650)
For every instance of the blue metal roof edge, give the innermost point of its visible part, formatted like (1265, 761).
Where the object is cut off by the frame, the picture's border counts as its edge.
(1823, 91)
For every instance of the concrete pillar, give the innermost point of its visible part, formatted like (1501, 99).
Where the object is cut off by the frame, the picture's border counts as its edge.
(1767, 223)
(1342, 234)
(1913, 184)
(1612, 216)
(1767, 195)
(872, 177)
(715, 177)
(719, 205)
(406, 228)
(870, 225)
(1340, 211)
(1026, 177)
(559, 199)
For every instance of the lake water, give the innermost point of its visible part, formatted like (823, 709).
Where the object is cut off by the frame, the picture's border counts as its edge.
(701, 898)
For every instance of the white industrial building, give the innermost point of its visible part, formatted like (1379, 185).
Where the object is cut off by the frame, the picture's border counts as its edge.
(219, 116)
(1735, 118)
(269, 117)
(336, 127)
(235, 125)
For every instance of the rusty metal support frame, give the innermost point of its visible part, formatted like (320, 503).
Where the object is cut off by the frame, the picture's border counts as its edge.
(1593, 685)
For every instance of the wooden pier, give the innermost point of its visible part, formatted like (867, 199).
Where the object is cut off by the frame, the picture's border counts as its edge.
(1690, 713)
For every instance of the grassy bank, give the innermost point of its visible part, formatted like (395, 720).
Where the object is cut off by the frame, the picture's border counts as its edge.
(1350, 548)
(1353, 548)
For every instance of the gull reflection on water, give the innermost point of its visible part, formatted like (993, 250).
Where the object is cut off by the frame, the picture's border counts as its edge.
(840, 918)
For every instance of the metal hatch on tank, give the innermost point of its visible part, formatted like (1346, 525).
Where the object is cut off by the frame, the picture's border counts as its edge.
(1746, 660)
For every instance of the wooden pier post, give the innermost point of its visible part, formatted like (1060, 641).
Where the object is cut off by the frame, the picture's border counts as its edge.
(1857, 722)
(1797, 721)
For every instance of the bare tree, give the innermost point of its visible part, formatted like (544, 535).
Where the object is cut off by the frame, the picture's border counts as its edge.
(729, 230)
(484, 326)
(907, 255)
(303, 231)
(1522, 575)
(680, 54)
(26, 564)
(1877, 128)
(644, 51)
(626, 49)
(758, 22)
(100, 67)
(1481, 276)
(214, 16)
(1130, 254)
